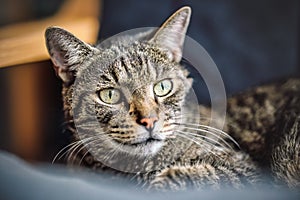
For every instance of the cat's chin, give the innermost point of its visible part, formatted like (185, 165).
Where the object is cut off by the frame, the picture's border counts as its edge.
(147, 148)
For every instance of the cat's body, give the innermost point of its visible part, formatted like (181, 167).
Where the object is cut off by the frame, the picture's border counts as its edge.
(266, 122)
(128, 104)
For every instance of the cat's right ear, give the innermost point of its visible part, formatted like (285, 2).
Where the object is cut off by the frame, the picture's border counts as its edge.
(171, 34)
(67, 52)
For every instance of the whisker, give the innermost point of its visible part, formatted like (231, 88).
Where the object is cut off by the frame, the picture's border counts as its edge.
(82, 143)
(116, 149)
(210, 140)
(197, 117)
(216, 130)
(70, 146)
(72, 157)
(222, 132)
(96, 139)
(135, 175)
(83, 157)
(107, 155)
(64, 148)
(203, 144)
(172, 143)
(206, 131)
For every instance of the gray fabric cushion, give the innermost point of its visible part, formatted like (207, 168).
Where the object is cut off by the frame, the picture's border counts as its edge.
(20, 180)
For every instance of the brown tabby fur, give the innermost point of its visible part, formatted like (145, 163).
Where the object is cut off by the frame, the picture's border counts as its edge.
(265, 120)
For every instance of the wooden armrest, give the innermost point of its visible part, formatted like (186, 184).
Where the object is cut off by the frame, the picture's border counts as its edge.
(24, 43)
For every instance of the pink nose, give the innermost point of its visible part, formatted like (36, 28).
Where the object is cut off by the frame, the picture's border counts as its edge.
(148, 122)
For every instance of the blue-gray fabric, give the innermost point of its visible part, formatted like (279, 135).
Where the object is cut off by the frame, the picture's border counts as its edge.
(20, 180)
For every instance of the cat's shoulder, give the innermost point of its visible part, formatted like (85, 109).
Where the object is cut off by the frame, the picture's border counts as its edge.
(275, 93)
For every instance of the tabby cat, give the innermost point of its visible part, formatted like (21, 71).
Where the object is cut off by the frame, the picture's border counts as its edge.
(127, 98)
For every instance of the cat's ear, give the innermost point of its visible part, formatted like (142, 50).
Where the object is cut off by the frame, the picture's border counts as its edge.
(171, 34)
(67, 52)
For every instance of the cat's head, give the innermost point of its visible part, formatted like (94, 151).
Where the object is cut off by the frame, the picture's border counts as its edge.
(138, 87)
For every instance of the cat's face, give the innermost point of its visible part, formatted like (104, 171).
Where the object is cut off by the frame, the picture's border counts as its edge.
(138, 88)
(139, 98)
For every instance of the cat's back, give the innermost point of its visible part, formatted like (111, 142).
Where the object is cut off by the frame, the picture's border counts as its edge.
(252, 114)
(266, 122)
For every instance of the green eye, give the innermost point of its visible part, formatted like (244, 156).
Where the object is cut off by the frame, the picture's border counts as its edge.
(163, 88)
(110, 96)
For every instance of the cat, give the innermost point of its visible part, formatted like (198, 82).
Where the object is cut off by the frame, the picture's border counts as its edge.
(125, 105)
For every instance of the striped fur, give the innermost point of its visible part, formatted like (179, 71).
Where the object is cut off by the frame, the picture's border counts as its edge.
(177, 152)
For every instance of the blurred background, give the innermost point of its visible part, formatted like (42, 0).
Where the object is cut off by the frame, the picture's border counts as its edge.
(251, 42)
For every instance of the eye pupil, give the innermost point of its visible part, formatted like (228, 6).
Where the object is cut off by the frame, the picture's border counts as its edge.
(163, 88)
(110, 96)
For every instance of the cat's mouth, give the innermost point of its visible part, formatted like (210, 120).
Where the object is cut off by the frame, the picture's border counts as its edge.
(143, 146)
(141, 142)
(145, 142)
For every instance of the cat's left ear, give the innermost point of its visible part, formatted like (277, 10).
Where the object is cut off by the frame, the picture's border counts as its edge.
(171, 34)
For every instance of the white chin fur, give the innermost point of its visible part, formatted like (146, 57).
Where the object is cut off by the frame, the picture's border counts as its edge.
(143, 150)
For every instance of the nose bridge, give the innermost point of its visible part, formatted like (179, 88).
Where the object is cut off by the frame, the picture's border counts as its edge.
(145, 106)
(144, 109)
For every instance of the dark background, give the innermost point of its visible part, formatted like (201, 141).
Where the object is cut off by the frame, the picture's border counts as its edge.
(251, 42)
